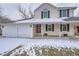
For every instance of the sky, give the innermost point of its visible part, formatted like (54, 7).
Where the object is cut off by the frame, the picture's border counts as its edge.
(10, 9)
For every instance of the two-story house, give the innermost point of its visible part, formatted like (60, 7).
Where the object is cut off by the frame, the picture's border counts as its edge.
(49, 21)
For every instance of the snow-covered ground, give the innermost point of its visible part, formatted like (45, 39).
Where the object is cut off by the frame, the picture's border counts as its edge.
(10, 43)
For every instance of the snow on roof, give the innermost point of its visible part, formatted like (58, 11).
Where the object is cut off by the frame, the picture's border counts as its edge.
(72, 19)
(58, 5)
(36, 21)
(47, 21)
(66, 4)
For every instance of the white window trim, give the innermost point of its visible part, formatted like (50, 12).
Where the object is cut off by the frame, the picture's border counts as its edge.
(63, 12)
(44, 14)
(49, 27)
(65, 28)
(45, 10)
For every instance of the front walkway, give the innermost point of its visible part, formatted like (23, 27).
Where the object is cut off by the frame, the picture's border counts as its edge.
(10, 43)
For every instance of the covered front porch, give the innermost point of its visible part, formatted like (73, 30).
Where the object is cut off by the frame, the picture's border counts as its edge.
(53, 27)
(55, 30)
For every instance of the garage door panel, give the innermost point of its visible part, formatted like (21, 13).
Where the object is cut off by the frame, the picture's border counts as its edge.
(24, 30)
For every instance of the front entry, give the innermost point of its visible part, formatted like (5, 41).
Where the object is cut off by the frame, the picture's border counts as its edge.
(38, 28)
(77, 29)
(0, 31)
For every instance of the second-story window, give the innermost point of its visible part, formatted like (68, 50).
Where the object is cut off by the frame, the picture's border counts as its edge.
(64, 13)
(45, 14)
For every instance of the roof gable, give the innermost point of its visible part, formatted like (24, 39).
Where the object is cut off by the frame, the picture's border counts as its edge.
(44, 4)
(54, 5)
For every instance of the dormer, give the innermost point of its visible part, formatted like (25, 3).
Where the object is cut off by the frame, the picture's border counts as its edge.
(46, 10)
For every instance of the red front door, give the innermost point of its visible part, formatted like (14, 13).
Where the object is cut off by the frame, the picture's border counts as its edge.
(77, 29)
(38, 28)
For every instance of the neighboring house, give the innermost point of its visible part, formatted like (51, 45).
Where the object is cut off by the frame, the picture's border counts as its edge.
(49, 20)
(3, 20)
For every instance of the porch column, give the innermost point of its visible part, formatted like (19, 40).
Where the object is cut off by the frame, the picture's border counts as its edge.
(32, 30)
(42, 30)
(59, 32)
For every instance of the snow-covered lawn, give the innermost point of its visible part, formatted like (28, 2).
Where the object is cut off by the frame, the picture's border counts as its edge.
(10, 43)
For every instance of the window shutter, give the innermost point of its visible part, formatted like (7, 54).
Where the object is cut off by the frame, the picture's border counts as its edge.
(60, 13)
(48, 14)
(52, 27)
(46, 27)
(61, 27)
(68, 27)
(41, 14)
(67, 12)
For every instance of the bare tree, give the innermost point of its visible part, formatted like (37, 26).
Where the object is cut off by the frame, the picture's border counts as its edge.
(1, 14)
(22, 12)
(3, 18)
(31, 13)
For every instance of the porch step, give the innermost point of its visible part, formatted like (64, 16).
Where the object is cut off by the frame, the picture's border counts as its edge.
(77, 36)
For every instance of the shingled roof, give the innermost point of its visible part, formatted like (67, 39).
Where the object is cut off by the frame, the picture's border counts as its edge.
(5, 20)
(72, 19)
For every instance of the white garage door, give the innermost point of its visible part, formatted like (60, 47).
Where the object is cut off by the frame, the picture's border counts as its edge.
(10, 30)
(24, 30)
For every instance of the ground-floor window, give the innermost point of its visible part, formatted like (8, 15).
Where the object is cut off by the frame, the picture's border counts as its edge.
(64, 27)
(49, 27)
